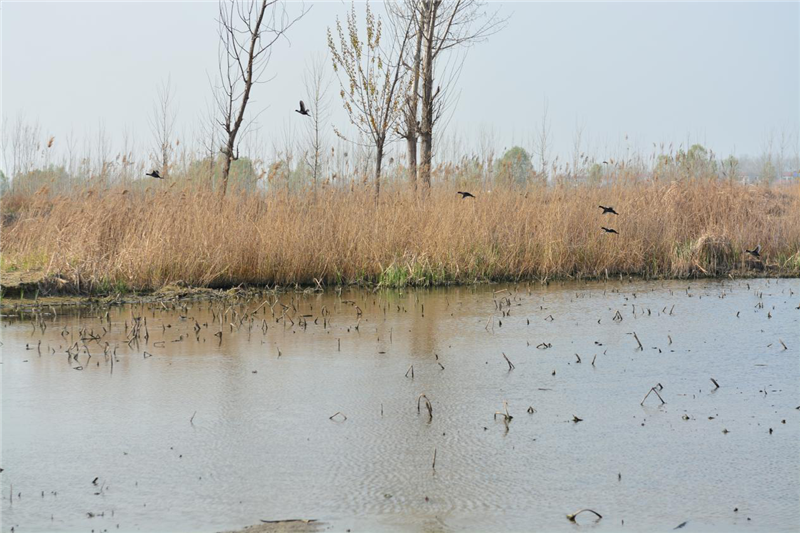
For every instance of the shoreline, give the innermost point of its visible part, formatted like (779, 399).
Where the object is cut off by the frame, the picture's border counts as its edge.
(54, 291)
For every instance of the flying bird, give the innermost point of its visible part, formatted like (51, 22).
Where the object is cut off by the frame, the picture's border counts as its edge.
(155, 174)
(608, 210)
(755, 252)
(609, 230)
(303, 110)
(466, 195)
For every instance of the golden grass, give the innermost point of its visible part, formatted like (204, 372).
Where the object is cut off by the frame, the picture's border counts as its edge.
(103, 239)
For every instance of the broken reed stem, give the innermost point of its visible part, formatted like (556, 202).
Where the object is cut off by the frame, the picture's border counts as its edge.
(635, 336)
(510, 364)
(571, 517)
(504, 413)
(714, 381)
(338, 413)
(428, 405)
(434, 459)
(652, 389)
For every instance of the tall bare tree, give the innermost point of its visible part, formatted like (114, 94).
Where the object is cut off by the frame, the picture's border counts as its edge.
(442, 25)
(372, 79)
(207, 139)
(248, 31)
(162, 125)
(317, 82)
(405, 14)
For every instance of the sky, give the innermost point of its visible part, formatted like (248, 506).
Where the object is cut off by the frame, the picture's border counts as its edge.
(629, 74)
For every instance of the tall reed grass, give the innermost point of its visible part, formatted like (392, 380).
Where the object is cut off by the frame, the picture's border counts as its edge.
(101, 239)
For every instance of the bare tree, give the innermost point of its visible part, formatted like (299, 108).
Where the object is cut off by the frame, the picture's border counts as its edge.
(372, 80)
(444, 25)
(208, 140)
(317, 82)
(543, 142)
(405, 14)
(162, 126)
(247, 31)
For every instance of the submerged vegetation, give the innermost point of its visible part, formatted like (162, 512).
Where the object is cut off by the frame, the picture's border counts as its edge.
(115, 238)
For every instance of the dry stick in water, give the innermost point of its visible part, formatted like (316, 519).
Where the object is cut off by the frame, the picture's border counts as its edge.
(638, 341)
(434, 459)
(410, 369)
(652, 389)
(338, 413)
(427, 405)
(571, 517)
(510, 364)
(714, 381)
(506, 416)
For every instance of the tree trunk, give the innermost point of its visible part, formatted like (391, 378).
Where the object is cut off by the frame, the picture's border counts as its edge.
(226, 168)
(413, 108)
(411, 141)
(378, 162)
(426, 126)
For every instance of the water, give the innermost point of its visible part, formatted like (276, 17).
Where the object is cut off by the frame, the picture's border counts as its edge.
(261, 444)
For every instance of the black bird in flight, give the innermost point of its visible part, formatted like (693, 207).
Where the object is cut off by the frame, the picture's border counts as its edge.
(155, 174)
(755, 252)
(303, 110)
(608, 210)
(466, 195)
(609, 230)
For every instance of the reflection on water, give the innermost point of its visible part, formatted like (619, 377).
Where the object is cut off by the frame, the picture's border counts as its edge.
(212, 433)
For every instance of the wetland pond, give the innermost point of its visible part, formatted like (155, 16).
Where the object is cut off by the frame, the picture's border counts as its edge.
(183, 429)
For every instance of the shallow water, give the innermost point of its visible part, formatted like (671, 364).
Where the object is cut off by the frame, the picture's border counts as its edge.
(261, 444)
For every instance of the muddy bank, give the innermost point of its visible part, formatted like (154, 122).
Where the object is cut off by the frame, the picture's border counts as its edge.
(27, 289)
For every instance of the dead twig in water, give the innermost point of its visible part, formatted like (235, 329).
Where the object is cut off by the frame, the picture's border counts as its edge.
(434, 459)
(290, 520)
(652, 389)
(571, 517)
(410, 369)
(504, 413)
(428, 405)
(635, 336)
(510, 364)
(338, 413)
(714, 381)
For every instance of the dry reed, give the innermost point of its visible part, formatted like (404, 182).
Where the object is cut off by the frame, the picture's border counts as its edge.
(111, 239)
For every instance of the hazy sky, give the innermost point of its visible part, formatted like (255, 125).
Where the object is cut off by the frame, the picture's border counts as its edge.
(724, 74)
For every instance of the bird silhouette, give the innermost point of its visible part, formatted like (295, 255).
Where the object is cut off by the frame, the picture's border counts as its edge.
(608, 210)
(609, 230)
(303, 110)
(466, 195)
(755, 252)
(155, 174)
